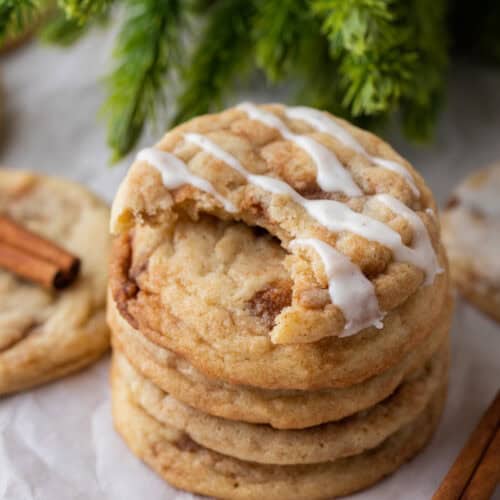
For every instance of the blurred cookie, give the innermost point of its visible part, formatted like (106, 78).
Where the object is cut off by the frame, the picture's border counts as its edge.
(471, 233)
(45, 335)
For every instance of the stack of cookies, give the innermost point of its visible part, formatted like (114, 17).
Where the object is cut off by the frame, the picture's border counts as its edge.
(279, 306)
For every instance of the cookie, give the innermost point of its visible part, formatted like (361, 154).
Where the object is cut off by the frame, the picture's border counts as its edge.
(235, 356)
(278, 247)
(263, 444)
(282, 409)
(471, 233)
(45, 335)
(187, 465)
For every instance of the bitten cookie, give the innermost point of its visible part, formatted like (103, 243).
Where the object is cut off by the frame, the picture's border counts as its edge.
(278, 247)
(45, 335)
(471, 233)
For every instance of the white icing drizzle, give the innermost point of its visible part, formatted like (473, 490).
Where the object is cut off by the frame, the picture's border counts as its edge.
(339, 217)
(323, 123)
(175, 174)
(349, 289)
(331, 174)
(424, 256)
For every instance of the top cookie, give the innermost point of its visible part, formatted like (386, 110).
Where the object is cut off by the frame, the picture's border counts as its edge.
(356, 223)
(471, 233)
(45, 334)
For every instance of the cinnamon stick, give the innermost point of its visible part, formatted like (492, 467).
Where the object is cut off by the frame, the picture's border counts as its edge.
(27, 266)
(15, 235)
(487, 475)
(461, 472)
(35, 258)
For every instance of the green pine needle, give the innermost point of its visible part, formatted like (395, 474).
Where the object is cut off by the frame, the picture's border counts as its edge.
(391, 56)
(367, 45)
(62, 31)
(83, 10)
(16, 16)
(148, 46)
(222, 54)
(424, 94)
(279, 28)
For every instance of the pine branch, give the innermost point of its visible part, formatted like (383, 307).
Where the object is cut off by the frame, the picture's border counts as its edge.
(147, 48)
(16, 16)
(385, 60)
(62, 31)
(222, 54)
(83, 10)
(422, 97)
(318, 76)
(366, 43)
(280, 27)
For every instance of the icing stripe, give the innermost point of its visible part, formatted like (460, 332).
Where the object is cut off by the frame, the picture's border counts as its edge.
(421, 243)
(337, 216)
(323, 123)
(349, 289)
(331, 174)
(175, 174)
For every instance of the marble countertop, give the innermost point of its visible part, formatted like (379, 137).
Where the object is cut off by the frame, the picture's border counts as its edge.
(57, 441)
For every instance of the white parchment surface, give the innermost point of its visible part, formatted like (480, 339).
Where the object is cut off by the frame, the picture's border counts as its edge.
(57, 442)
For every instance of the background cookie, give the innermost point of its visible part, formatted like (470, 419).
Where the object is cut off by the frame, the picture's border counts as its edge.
(471, 233)
(44, 334)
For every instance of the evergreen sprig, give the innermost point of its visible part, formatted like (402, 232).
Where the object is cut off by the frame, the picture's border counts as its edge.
(280, 29)
(148, 47)
(223, 52)
(15, 15)
(365, 60)
(83, 10)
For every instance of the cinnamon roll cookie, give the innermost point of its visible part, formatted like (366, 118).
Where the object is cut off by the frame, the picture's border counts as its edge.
(47, 334)
(278, 247)
(471, 233)
(279, 305)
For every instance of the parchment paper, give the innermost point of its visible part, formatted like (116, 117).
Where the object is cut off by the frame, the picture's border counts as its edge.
(57, 442)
